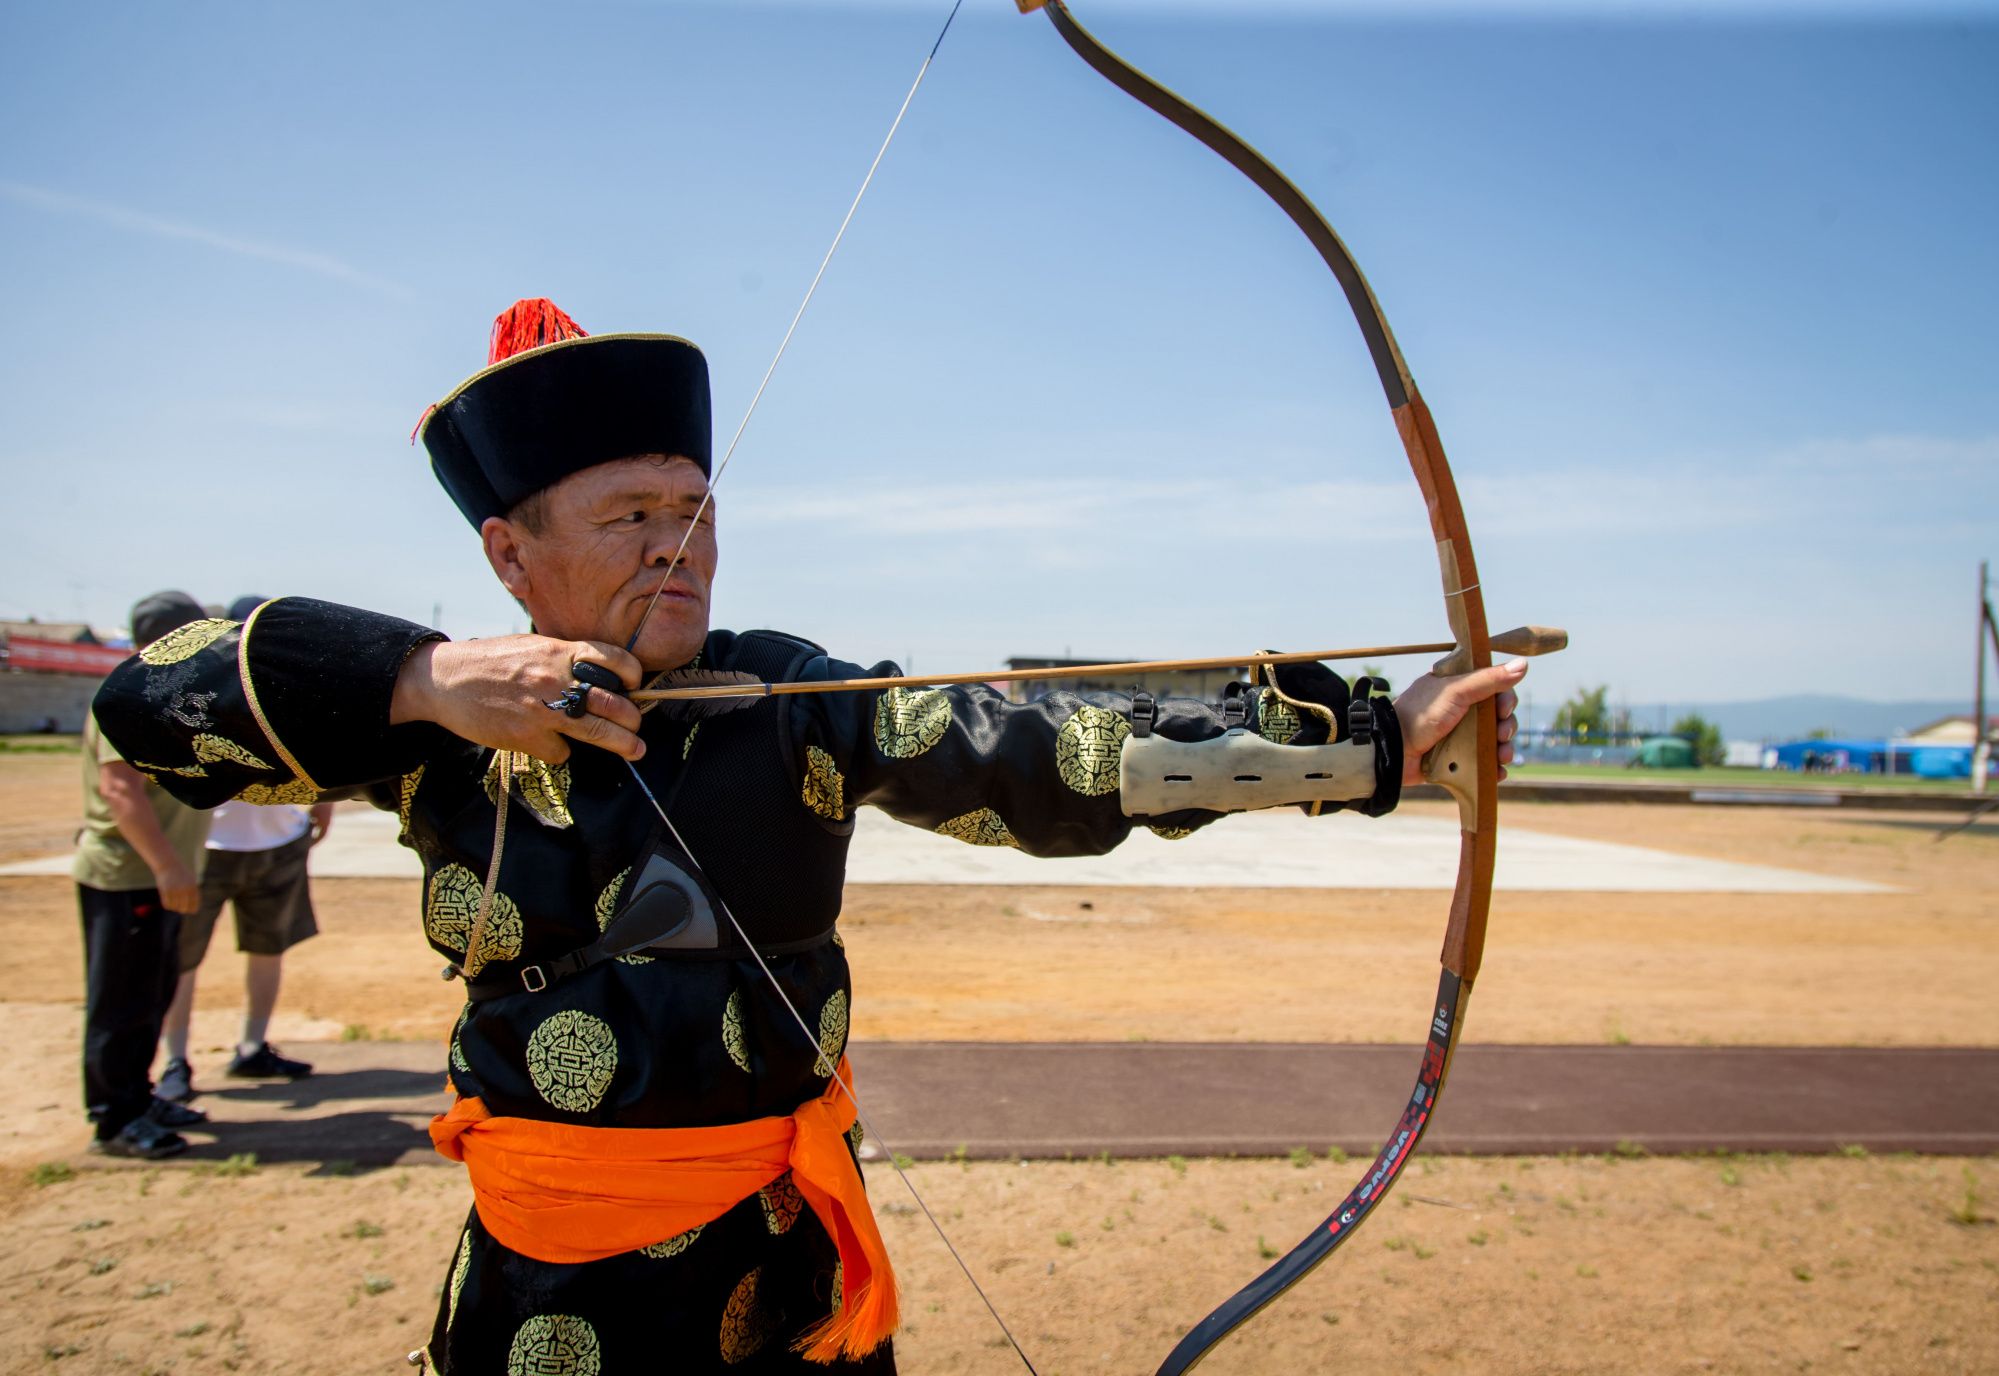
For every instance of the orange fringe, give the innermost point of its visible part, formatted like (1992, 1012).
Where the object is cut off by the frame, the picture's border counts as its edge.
(528, 324)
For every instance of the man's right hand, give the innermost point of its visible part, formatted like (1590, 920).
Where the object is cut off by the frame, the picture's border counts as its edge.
(180, 891)
(495, 692)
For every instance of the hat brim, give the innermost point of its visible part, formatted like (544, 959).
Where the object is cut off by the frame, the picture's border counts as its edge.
(527, 422)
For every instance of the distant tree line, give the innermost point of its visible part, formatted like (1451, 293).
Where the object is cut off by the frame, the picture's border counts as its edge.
(1588, 718)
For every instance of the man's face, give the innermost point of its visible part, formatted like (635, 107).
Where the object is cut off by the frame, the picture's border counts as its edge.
(587, 567)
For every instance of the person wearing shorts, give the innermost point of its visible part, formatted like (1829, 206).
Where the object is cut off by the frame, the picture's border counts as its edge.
(257, 866)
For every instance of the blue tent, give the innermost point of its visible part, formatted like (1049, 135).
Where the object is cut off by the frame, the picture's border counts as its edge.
(1877, 757)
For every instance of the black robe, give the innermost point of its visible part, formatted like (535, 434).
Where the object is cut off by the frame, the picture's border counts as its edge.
(293, 705)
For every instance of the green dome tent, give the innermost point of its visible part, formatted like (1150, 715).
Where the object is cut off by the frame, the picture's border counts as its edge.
(1665, 752)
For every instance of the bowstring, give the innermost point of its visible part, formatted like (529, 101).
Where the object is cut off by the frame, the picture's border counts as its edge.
(708, 497)
(846, 1087)
(673, 564)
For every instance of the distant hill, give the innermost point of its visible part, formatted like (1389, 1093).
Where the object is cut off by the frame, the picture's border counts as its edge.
(1793, 718)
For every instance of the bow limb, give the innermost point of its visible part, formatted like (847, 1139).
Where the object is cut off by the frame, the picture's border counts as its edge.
(1465, 763)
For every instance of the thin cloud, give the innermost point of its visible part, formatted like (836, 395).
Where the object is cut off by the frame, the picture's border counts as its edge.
(1591, 10)
(159, 227)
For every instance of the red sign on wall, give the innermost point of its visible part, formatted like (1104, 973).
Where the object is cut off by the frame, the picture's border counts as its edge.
(60, 657)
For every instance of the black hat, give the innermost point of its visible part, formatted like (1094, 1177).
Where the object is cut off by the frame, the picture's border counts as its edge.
(240, 609)
(153, 617)
(556, 401)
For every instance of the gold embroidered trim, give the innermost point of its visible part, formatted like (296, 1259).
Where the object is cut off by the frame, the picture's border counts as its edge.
(257, 708)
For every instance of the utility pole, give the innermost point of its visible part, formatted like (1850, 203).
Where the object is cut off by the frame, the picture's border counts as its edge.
(1981, 748)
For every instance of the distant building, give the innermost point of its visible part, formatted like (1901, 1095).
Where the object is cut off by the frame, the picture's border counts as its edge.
(1955, 730)
(68, 632)
(49, 670)
(1178, 683)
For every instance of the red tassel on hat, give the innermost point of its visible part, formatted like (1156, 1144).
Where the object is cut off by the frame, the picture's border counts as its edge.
(529, 324)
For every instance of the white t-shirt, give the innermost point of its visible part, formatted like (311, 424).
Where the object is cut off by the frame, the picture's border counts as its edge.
(253, 826)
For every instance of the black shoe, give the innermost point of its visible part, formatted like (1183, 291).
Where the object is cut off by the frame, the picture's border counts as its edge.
(176, 1082)
(266, 1064)
(141, 1138)
(171, 1115)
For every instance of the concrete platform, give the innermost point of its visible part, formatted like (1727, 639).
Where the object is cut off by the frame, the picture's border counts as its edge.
(369, 1103)
(1282, 849)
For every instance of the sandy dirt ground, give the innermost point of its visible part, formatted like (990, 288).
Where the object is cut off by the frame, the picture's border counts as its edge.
(1492, 1265)
(1848, 1264)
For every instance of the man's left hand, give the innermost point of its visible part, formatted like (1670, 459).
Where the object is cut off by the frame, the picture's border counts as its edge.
(1431, 707)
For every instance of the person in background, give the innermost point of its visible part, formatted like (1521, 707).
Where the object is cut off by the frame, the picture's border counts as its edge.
(137, 870)
(257, 865)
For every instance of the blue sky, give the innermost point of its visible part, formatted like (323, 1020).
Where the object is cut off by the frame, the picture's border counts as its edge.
(1703, 298)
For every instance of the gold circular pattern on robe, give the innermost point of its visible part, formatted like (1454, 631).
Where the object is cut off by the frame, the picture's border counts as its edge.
(1087, 750)
(406, 788)
(832, 1032)
(825, 789)
(909, 721)
(542, 788)
(1171, 833)
(857, 1135)
(216, 749)
(735, 1040)
(1275, 721)
(554, 1345)
(457, 1045)
(675, 1245)
(460, 1268)
(571, 1059)
(607, 908)
(745, 1325)
(185, 642)
(293, 790)
(450, 906)
(781, 1203)
(981, 828)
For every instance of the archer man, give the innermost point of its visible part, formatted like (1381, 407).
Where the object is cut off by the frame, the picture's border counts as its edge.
(653, 1104)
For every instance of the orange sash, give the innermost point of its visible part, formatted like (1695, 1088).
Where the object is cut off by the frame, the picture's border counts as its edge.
(562, 1193)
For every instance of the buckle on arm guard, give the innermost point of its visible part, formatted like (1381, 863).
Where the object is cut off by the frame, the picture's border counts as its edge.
(1360, 710)
(1144, 711)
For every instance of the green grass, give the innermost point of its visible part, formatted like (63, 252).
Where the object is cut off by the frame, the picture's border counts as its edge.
(40, 745)
(1779, 779)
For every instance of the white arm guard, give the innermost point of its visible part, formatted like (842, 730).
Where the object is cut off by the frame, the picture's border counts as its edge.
(1238, 771)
